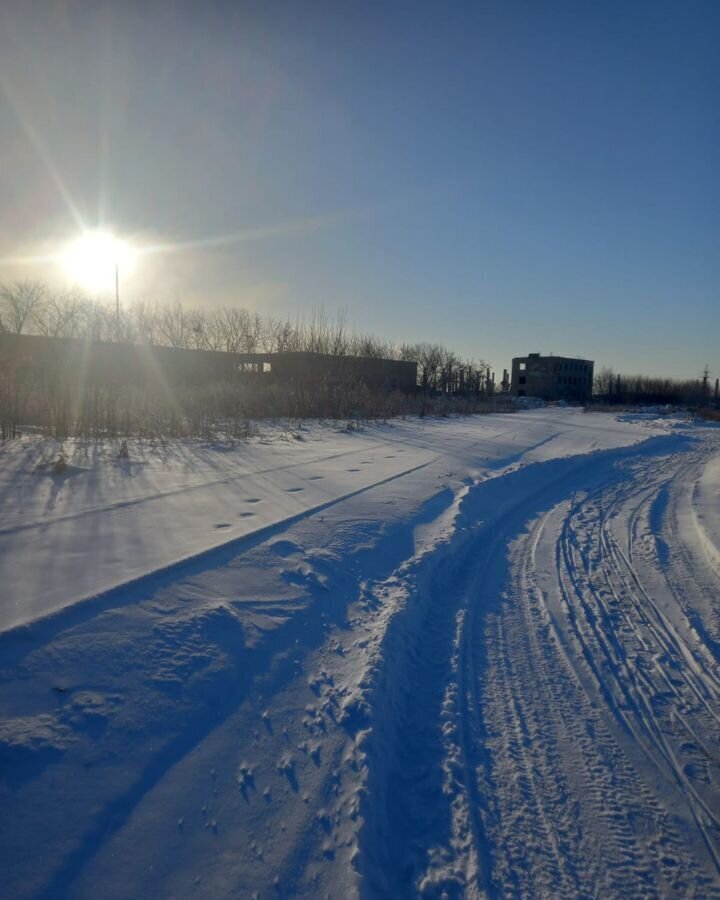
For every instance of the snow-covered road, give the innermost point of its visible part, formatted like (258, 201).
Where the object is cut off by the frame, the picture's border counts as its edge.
(574, 677)
(488, 667)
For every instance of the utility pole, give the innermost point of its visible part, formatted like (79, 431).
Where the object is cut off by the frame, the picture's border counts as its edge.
(705, 377)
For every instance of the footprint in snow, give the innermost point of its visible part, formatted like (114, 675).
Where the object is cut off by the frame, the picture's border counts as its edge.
(246, 515)
(254, 500)
(316, 478)
(353, 470)
(295, 490)
(221, 525)
(284, 548)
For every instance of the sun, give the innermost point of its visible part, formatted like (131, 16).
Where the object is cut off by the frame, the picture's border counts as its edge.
(93, 259)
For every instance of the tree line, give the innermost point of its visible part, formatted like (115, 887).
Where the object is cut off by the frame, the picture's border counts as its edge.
(616, 388)
(56, 402)
(30, 307)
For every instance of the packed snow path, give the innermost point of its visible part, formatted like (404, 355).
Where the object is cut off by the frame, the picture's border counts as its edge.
(574, 676)
(494, 673)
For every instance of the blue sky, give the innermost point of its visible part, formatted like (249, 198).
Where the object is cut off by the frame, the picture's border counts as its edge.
(504, 177)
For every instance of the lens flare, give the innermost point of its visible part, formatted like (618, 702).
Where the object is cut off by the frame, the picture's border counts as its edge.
(93, 258)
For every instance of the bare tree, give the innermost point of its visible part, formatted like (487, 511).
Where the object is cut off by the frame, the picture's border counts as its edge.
(234, 325)
(254, 334)
(197, 329)
(339, 339)
(287, 337)
(174, 325)
(317, 332)
(62, 314)
(270, 335)
(145, 317)
(100, 322)
(604, 382)
(429, 358)
(19, 302)
(214, 336)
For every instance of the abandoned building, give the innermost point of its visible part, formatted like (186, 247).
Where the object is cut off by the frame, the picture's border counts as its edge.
(138, 364)
(552, 377)
(308, 368)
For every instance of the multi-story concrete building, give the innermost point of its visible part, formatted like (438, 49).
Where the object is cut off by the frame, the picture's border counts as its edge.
(552, 377)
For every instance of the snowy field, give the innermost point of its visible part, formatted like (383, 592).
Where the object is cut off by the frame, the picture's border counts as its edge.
(444, 658)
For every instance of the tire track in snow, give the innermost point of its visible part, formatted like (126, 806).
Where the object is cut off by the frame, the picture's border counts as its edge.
(426, 769)
(655, 680)
(686, 566)
(565, 793)
(533, 754)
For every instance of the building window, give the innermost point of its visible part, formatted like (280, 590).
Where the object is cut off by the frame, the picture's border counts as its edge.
(523, 367)
(267, 367)
(522, 379)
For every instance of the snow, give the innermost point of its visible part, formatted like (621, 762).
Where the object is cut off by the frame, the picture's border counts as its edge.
(442, 657)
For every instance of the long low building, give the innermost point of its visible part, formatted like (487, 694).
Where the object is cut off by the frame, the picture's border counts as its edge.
(552, 377)
(139, 363)
(290, 368)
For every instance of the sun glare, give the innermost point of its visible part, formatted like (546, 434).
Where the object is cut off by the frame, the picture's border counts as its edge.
(92, 259)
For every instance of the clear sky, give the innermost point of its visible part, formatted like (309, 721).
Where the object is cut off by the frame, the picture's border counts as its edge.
(502, 176)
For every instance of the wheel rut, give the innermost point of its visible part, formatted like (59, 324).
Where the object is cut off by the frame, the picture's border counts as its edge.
(561, 735)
